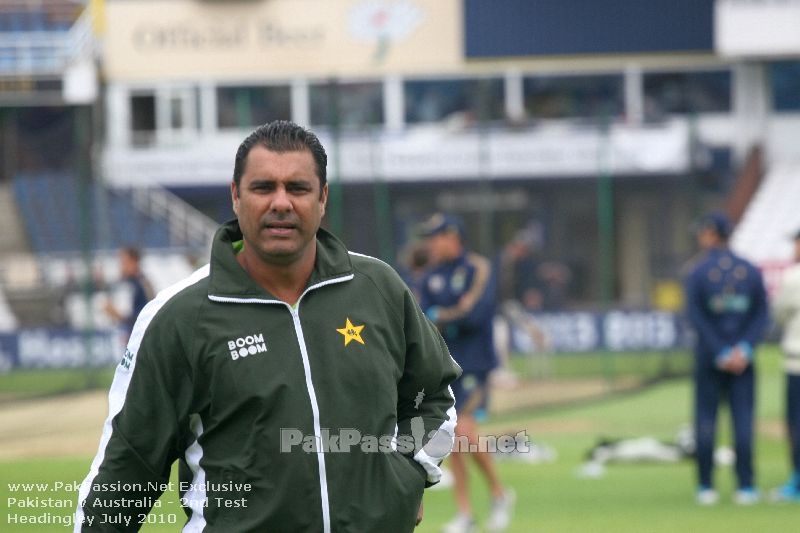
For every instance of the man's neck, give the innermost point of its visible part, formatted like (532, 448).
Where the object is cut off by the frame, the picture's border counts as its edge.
(285, 282)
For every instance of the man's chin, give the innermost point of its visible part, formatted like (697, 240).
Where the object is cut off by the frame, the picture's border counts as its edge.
(280, 255)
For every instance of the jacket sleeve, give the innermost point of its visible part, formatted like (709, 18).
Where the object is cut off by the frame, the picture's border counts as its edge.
(759, 320)
(476, 305)
(148, 402)
(698, 316)
(426, 416)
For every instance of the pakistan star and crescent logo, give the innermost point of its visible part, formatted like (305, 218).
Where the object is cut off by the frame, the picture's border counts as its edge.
(351, 332)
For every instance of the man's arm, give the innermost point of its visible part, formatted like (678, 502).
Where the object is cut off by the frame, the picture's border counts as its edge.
(425, 406)
(140, 439)
(759, 321)
(476, 305)
(698, 316)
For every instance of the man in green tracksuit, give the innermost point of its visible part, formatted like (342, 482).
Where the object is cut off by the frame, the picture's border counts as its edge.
(299, 384)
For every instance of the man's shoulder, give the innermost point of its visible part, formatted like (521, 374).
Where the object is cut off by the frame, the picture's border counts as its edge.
(754, 272)
(696, 267)
(477, 261)
(373, 267)
(183, 294)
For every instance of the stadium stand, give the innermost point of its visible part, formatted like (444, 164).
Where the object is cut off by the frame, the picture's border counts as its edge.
(18, 16)
(51, 207)
(8, 321)
(64, 221)
(772, 216)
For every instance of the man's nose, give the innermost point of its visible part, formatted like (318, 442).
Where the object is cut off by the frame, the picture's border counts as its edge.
(281, 200)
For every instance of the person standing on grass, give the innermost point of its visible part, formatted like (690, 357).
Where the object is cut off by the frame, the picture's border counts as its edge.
(138, 289)
(298, 384)
(786, 310)
(458, 295)
(726, 304)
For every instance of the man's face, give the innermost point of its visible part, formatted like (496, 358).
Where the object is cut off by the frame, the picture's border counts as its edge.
(128, 265)
(279, 205)
(707, 238)
(443, 246)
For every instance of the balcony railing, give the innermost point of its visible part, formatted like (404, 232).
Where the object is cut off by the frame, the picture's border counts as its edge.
(42, 50)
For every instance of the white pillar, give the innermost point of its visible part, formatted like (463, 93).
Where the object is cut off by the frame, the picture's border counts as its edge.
(750, 107)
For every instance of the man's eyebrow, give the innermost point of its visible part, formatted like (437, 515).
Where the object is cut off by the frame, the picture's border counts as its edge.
(305, 182)
(260, 182)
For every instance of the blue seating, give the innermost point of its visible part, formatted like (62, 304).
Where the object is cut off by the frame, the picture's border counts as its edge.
(60, 218)
(51, 16)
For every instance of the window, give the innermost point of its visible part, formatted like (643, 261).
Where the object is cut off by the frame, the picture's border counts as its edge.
(247, 106)
(166, 114)
(785, 85)
(436, 100)
(351, 105)
(551, 97)
(143, 118)
(686, 92)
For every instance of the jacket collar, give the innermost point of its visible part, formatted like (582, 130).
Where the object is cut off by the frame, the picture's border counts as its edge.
(227, 279)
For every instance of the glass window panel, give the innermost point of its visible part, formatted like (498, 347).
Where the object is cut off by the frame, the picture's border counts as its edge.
(143, 112)
(552, 97)
(176, 118)
(436, 100)
(687, 92)
(248, 106)
(785, 85)
(352, 105)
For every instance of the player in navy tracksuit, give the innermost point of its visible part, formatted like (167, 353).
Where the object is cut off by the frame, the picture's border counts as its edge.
(458, 295)
(727, 305)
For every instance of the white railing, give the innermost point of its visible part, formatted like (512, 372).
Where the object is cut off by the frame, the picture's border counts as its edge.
(187, 225)
(42, 52)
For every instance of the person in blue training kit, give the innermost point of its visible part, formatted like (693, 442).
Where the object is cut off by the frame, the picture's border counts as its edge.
(458, 295)
(786, 309)
(726, 303)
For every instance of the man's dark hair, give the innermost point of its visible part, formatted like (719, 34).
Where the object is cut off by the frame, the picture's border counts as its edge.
(132, 251)
(282, 136)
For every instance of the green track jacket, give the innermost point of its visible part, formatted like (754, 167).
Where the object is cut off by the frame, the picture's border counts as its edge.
(305, 418)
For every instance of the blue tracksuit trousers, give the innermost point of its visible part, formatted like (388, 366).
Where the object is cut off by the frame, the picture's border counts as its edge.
(711, 387)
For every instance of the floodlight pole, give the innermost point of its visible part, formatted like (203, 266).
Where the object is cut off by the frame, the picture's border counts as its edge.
(82, 125)
(335, 208)
(605, 226)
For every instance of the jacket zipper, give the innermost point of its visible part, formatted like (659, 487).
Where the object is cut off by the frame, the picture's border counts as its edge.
(323, 478)
(298, 330)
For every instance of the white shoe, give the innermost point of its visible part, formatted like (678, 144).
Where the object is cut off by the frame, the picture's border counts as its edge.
(707, 497)
(461, 524)
(502, 511)
(747, 496)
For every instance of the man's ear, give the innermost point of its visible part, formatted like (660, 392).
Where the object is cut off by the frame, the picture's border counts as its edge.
(235, 198)
(324, 198)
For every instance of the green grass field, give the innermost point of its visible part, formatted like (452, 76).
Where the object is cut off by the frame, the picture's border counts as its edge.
(551, 497)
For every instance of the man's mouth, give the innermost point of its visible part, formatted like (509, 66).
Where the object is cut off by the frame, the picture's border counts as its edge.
(278, 228)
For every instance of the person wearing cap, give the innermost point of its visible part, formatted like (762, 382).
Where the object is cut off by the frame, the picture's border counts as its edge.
(726, 304)
(458, 295)
(786, 310)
